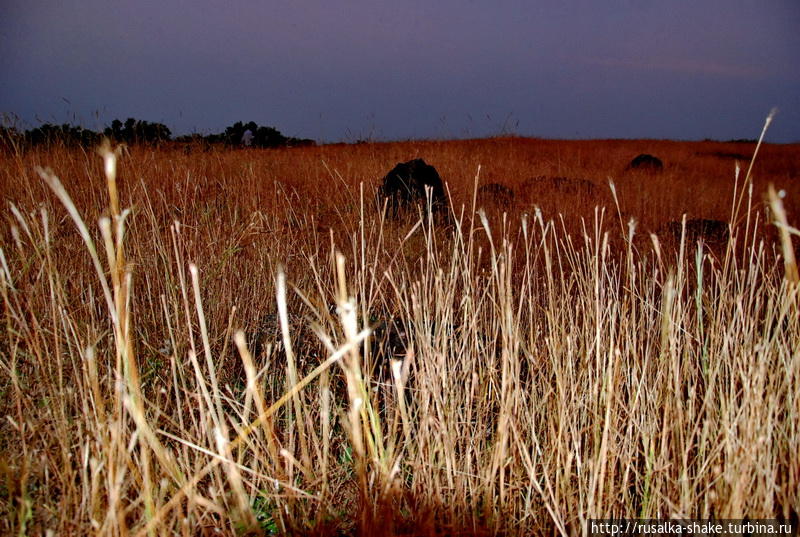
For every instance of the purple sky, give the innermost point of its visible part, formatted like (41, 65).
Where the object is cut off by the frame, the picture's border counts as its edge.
(684, 69)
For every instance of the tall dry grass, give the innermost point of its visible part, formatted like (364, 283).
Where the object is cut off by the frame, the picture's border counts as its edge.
(240, 343)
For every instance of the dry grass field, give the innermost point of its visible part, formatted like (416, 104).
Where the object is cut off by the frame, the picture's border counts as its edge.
(237, 342)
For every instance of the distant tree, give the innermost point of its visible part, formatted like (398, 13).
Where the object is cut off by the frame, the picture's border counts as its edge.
(268, 137)
(129, 131)
(260, 136)
(65, 134)
(155, 132)
(115, 131)
(135, 131)
(233, 134)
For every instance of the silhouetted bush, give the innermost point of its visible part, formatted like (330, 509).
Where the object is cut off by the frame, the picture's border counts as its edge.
(10, 139)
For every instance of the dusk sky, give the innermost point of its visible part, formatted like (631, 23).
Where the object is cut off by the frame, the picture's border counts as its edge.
(341, 71)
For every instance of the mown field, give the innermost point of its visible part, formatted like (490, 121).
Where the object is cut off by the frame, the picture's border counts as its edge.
(200, 341)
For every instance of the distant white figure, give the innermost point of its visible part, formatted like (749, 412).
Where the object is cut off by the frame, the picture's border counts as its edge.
(247, 138)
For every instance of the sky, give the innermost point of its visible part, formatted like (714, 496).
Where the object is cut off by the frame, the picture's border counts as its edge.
(369, 69)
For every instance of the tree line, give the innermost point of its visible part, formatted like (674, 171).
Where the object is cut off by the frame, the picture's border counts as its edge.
(135, 131)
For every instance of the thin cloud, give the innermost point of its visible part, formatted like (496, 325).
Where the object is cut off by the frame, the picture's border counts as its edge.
(682, 66)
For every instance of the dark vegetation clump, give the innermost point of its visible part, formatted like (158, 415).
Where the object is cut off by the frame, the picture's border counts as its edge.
(496, 194)
(571, 186)
(728, 155)
(710, 231)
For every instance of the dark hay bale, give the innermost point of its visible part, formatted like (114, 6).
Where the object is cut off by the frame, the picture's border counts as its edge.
(646, 162)
(496, 194)
(404, 187)
(563, 185)
(391, 336)
(709, 231)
